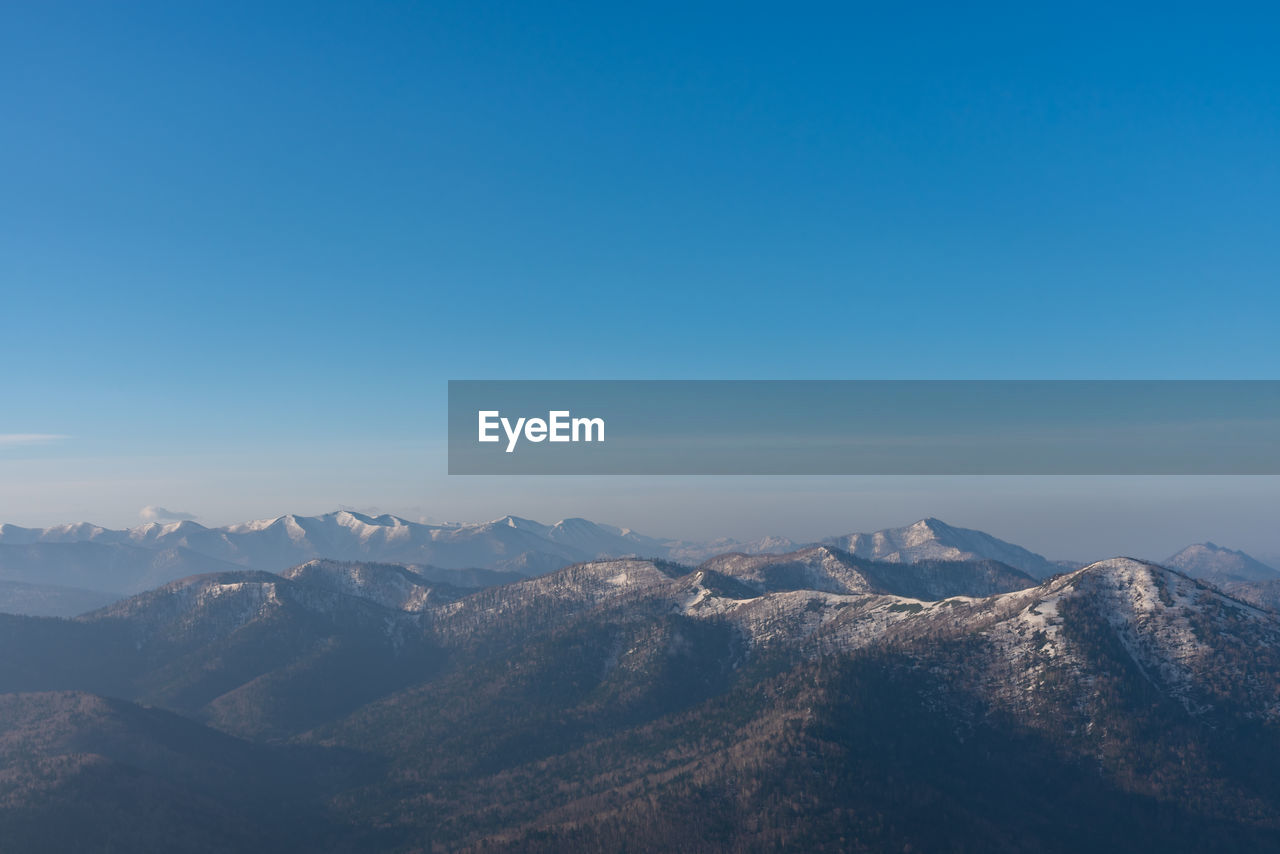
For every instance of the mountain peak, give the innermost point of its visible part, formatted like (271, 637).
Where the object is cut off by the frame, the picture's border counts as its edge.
(517, 522)
(1120, 565)
(1217, 564)
(351, 518)
(579, 522)
(933, 539)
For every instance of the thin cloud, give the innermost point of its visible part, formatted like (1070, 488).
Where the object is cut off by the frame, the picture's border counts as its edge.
(152, 513)
(16, 440)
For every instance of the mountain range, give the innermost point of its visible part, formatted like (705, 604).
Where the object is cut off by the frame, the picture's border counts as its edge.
(77, 566)
(91, 558)
(127, 561)
(819, 700)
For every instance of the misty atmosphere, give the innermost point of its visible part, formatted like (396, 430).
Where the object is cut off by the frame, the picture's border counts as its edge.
(709, 427)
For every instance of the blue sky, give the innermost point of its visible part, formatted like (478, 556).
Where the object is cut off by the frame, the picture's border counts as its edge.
(243, 246)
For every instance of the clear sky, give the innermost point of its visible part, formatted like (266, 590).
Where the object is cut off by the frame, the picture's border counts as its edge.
(243, 246)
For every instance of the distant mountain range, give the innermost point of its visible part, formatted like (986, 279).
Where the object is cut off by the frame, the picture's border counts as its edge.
(84, 555)
(80, 563)
(816, 700)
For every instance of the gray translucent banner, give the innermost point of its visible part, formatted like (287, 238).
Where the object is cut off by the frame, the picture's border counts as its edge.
(717, 427)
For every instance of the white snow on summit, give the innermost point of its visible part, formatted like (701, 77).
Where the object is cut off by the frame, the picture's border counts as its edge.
(932, 539)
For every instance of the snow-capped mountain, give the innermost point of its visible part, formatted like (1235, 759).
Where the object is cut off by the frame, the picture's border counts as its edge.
(932, 539)
(1120, 692)
(825, 568)
(387, 585)
(92, 558)
(128, 561)
(1216, 564)
(1231, 571)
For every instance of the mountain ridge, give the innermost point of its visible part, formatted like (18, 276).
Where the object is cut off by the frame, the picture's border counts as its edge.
(85, 556)
(933, 539)
(622, 698)
(1213, 562)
